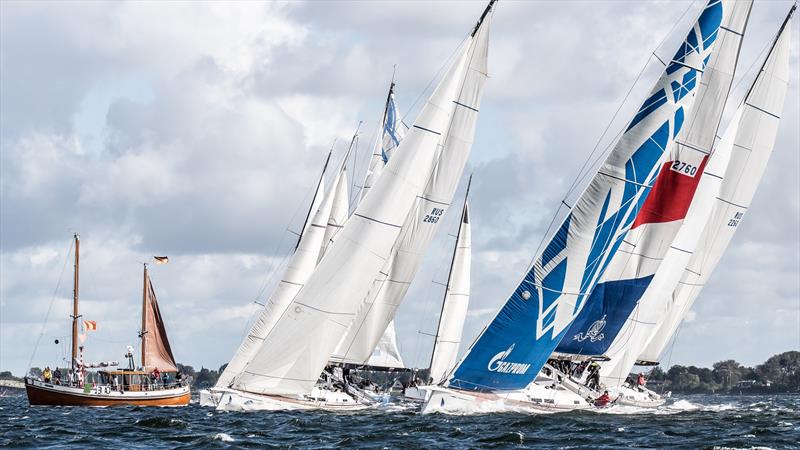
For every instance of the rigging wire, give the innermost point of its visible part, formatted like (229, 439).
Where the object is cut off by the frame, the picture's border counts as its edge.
(50, 307)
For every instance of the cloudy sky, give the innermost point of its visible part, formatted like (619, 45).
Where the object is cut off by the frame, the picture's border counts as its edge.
(197, 130)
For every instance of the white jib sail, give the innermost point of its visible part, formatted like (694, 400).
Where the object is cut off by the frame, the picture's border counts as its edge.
(340, 209)
(297, 348)
(386, 353)
(300, 267)
(692, 149)
(390, 287)
(755, 127)
(455, 306)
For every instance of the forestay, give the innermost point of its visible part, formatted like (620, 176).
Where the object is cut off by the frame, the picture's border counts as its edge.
(753, 129)
(390, 286)
(625, 305)
(514, 347)
(297, 348)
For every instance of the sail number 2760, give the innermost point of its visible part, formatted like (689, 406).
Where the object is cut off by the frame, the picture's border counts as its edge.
(683, 168)
(434, 215)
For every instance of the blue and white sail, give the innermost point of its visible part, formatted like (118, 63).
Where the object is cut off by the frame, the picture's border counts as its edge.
(390, 134)
(625, 305)
(516, 344)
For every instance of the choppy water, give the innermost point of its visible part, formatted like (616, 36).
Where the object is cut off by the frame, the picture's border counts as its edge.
(685, 422)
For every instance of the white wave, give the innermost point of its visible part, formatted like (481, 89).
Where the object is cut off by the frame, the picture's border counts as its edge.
(223, 437)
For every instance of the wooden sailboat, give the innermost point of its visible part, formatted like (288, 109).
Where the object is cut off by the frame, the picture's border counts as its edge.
(112, 387)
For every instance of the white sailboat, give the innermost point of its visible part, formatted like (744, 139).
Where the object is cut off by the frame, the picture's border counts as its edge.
(750, 138)
(299, 268)
(454, 310)
(285, 369)
(501, 368)
(633, 294)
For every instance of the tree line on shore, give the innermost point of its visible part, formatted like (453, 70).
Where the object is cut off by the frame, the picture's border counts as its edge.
(780, 373)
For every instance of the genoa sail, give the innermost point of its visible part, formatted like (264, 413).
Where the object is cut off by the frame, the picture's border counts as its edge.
(297, 348)
(156, 352)
(390, 287)
(753, 131)
(627, 298)
(517, 342)
(455, 304)
(386, 353)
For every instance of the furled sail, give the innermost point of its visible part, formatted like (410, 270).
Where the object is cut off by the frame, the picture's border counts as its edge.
(386, 353)
(390, 286)
(299, 345)
(627, 302)
(300, 267)
(455, 304)
(516, 344)
(156, 352)
(754, 129)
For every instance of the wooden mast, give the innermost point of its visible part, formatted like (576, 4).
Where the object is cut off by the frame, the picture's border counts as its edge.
(75, 303)
(144, 315)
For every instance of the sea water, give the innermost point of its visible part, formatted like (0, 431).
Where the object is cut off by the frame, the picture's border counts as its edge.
(700, 421)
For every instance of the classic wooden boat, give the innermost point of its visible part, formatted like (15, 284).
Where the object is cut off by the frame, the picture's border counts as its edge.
(112, 387)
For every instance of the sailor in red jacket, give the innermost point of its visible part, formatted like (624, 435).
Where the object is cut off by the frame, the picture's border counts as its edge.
(603, 400)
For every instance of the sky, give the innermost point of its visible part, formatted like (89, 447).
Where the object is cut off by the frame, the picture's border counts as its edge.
(198, 130)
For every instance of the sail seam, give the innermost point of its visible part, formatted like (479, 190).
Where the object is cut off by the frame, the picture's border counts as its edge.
(434, 201)
(323, 311)
(686, 144)
(686, 65)
(623, 179)
(680, 249)
(732, 31)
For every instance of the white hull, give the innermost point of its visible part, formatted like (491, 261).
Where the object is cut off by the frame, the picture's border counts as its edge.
(210, 397)
(418, 393)
(634, 397)
(232, 400)
(534, 399)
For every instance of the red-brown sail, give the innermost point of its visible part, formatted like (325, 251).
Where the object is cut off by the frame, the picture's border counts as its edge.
(156, 352)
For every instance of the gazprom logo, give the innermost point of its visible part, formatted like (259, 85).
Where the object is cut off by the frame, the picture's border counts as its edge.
(497, 363)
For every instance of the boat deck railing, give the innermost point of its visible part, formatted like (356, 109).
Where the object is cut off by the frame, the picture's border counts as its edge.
(138, 387)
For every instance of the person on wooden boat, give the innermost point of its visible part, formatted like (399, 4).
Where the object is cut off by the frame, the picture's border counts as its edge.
(603, 400)
(46, 374)
(57, 376)
(164, 379)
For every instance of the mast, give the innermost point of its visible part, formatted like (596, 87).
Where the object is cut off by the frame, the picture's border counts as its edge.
(314, 199)
(483, 16)
(450, 273)
(75, 314)
(144, 314)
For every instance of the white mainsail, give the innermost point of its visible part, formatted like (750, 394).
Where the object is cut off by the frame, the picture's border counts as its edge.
(754, 129)
(300, 267)
(455, 305)
(675, 210)
(296, 350)
(389, 288)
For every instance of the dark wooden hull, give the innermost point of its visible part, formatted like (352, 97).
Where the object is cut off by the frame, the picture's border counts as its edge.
(40, 393)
